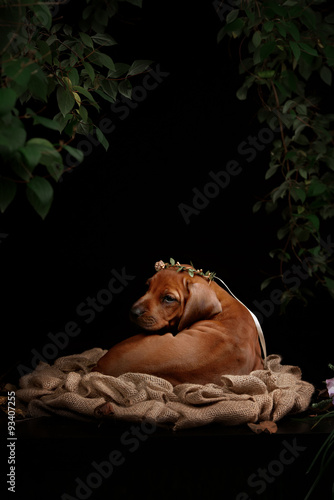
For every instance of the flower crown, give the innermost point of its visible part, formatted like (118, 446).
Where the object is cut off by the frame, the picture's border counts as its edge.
(190, 270)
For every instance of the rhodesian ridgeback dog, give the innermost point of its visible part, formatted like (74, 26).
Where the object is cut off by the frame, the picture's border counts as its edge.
(193, 332)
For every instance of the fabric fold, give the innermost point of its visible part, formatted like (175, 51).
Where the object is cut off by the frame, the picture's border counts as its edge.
(71, 389)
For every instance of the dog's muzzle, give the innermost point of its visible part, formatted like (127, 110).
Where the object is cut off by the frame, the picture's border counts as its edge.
(136, 312)
(139, 317)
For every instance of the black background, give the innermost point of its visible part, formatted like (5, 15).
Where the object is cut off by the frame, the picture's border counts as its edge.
(120, 209)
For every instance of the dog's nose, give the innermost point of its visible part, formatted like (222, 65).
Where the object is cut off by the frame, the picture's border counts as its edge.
(136, 311)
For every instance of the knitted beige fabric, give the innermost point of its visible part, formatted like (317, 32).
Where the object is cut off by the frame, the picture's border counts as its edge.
(69, 388)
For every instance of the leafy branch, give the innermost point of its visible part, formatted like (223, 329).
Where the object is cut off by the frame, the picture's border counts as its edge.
(50, 67)
(287, 55)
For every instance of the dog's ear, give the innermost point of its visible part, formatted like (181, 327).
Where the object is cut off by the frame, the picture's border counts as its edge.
(202, 303)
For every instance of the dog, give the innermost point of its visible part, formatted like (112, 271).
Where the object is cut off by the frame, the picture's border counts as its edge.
(193, 331)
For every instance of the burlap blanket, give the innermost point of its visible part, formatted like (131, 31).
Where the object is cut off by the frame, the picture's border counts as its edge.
(69, 388)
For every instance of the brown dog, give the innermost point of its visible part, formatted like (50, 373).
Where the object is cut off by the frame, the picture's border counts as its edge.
(216, 334)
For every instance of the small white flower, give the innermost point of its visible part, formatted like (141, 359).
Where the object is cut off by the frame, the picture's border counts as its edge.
(159, 265)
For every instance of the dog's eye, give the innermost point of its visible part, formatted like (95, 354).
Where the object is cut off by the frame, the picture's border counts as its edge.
(169, 299)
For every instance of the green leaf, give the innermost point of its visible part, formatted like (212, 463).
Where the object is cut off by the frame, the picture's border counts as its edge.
(125, 88)
(309, 18)
(256, 38)
(298, 193)
(301, 109)
(67, 30)
(7, 193)
(86, 93)
(19, 167)
(269, 73)
(110, 88)
(257, 206)
(86, 40)
(266, 50)
(45, 51)
(271, 171)
(53, 162)
(308, 49)
(329, 53)
(287, 105)
(49, 156)
(40, 142)
(83, 113)
(303, 173)
(68, 83)
(316, 188)
(329, 284)
(83, 128)
(12, 136)
(231, 16)
(242, 93)
(19, 74)
(31, 155)
(106, 61)
(46, 122)
(42, 15)
(221, 34)
(138, 67)
(73, 75)
(104, 39)
(90, 71)
(280, 192)
(314, 220)
(295, 49)
(102, 60)
(234, 27)
(326, 75)
(7, 100)
(65, 100)
(172, 262)
(101, 137)
(76, 153)
(51, 40)
(281, 29)
(120, 69)
(268, 26)
(40, 195)
(105, 96)
(62, 120)
(282, 232)
(278, 9)
(293, 30)
(265, 283)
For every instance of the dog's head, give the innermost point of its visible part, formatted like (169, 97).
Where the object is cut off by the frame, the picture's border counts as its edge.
(174, 300)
